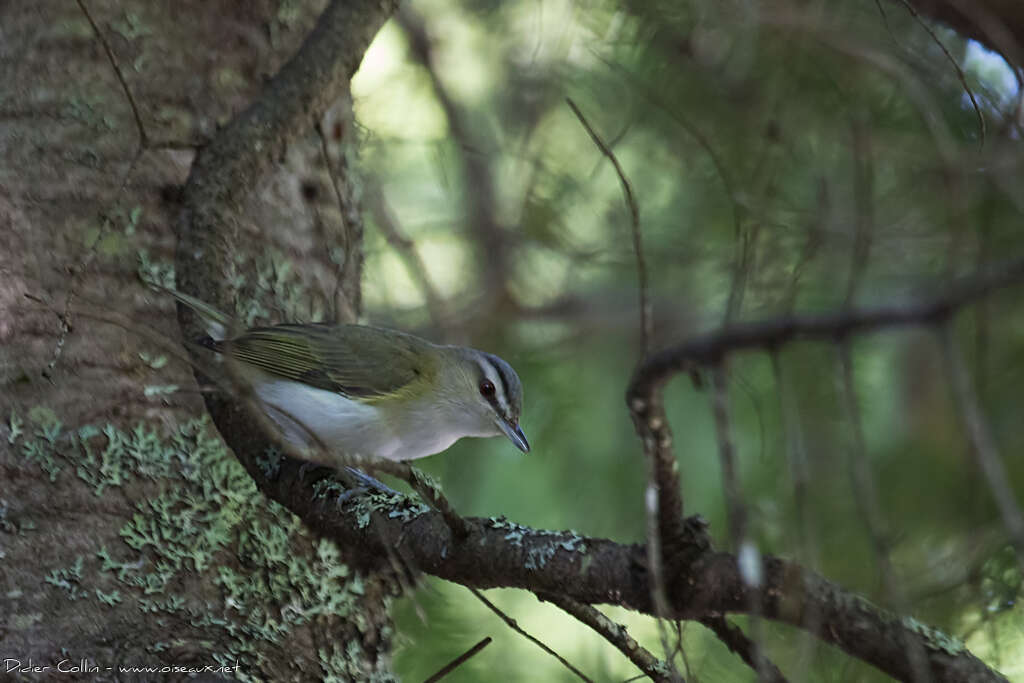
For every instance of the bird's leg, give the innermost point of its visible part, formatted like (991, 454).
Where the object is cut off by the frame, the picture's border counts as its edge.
(304, 470)
(369, 482)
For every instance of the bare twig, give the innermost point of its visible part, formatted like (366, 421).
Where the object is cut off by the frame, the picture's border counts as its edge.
(774, 332)
(143, 138)
(655, 552)
(748, 555)
(721, 169)
(859, 470)
(983, 446)
(344, 310)
(960, 75)
(734, 639)
(796, 455)
(866, 496)
(458, 661)
(617, 635)
(518, 629)
(414, 263)
(662, 477)
(634, 214)
(727, 457)
(481, 193)
(429, 491)
(145, 142)
(863, 193)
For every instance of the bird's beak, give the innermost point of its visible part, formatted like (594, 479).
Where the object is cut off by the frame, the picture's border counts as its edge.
(515, 433)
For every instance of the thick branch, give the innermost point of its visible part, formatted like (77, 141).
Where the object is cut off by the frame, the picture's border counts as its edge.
(498, 553)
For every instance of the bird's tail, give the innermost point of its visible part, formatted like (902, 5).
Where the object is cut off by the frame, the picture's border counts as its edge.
(218, 324)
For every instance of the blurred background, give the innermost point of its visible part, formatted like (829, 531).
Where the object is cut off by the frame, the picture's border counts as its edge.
(785, 158)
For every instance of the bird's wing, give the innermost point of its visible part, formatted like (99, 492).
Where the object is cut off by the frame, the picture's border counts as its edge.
(353, 360)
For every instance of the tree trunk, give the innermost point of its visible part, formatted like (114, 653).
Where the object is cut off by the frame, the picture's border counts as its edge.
(129, 535)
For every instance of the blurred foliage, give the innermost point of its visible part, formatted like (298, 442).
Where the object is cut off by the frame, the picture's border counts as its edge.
(795, 145)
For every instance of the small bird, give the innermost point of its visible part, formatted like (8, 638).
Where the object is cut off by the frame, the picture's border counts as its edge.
(371, 391)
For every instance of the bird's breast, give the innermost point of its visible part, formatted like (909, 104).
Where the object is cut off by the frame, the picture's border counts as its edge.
(307, 415)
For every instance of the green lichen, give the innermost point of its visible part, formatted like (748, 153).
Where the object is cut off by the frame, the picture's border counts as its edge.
(154, 362)
(15, 428)
(540, 545)
(41, 448)
(154, 271)
(275, 280)
(349, 664)
(269, 462)
(328, 488)
(933, 638)
(23, 622)
(206, 515)
(110, 599)
(664, 670)
(131, 26)
(131, 220)
(404, 508)
(124, 455)
(88, 110)
(152, 390)
(5, 524)
(68, 579)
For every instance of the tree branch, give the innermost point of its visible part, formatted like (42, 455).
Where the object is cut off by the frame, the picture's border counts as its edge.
(512, 624)
(481, 192)
(617, 635)
(771, 333)
(747, 650)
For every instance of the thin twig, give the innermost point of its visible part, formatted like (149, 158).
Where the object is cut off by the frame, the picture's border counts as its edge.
(727, 457)
(866, 497)
(796, 455)
(737, 641)
(984, 449)
(634, 214)
(458, 661)
(865, 492)
(518, 629)
(863, 192)
(414, 262)
(751, 569)
(430, 492)
(658, 482)
(721, 169)
(480, 196)
(616, 634)
(775, 332)
(960, 75)
(656, 555)
(143, 138)
(341, 298)
(812, 243)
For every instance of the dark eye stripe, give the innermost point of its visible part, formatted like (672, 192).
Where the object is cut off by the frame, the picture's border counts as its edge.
(496, 398)
(500, 371)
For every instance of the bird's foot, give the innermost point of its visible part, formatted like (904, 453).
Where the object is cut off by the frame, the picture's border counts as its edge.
(368, 482)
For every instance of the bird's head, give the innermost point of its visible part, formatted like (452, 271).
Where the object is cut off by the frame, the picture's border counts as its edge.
(489, 391)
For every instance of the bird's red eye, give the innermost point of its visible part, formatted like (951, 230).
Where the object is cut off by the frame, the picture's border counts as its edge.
(487, 388)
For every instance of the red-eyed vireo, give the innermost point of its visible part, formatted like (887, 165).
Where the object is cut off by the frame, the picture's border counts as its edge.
(359, 390)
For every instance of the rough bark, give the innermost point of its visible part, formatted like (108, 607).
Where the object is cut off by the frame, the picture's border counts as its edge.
(139, 541)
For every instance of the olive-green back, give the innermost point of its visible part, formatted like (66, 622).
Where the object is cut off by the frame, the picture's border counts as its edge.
(353, 360)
